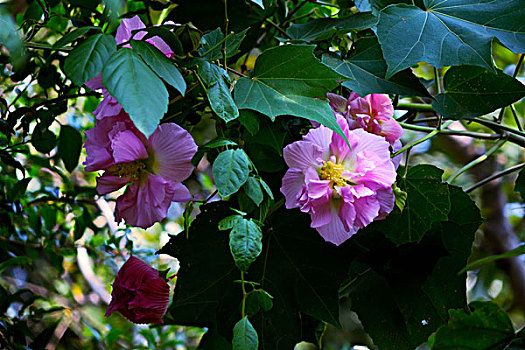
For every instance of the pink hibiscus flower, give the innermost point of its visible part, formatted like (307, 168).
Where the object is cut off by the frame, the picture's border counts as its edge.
(109, 106)
(153, 168)
(342, 189)
(139, 293)
(372, 113)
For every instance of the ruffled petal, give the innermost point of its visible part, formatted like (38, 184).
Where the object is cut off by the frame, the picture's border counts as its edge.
(127, 25)
(380, 105)
(127, 147)
(107, 183)
(293, 181)
(335, 231)
(371, 143)
(337, 102)
(172, 150)
(391, 130)
(322, 214)
(386, 200)
(302, 155)
(321, 136)
(366, 210)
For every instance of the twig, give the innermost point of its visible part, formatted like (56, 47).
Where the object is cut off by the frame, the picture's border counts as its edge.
(495, 176)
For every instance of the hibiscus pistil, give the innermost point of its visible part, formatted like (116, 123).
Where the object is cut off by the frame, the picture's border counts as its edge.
(130, 169)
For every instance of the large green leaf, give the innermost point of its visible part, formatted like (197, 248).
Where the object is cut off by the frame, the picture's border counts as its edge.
(487, 326)
(402, 294)
(87, 60)
(427, 202)
(137, 88)
(289, 80)
(230, 171)
(473, 91)
(245, 243)
(244, 336)
(323, 28)
(211, 44)
(160, 64)
(366, 69)
(449, 32)
(69, 146)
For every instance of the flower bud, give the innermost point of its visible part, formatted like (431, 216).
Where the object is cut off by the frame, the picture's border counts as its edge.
(139, 293)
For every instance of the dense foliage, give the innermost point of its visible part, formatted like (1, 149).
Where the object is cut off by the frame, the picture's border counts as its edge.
(428, 253)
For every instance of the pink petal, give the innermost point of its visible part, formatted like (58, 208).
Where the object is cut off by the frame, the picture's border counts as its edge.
(335, 232)
(386, 200)
(161, 45)
(293, 181)
(371, 143)
(337, 102)
(95, 83)
(127, 25)
(145, 202)
(321, 136)
(127, 147)
(391, 130)
(397, 159)
(107, 183)
(172, 149)
(347, 216)
(302, 155)
(322, 215)
(366, 210)
(180, 193)
(380, 105)
(109, 106)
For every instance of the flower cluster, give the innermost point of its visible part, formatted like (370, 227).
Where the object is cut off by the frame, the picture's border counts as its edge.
(139, 293)
(153, 167)
(344, 189)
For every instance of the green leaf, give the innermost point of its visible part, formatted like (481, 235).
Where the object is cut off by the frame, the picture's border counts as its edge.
(72, 36)
(245, 243)
(88, 59)
(10, 38)
(257, 300)
(323, 28)
(230, 171)
(229, 222)
(486, 326)
(449, 32)
(219, 142)
(402, 294)
(289, 80)
(44, 141)
(69, 146)
(211, 44)
(249, 120)
(520, 184)
(19, 260)
(366, 69)
(258, 2)
(137, 88)
(165, 33)
(266, 188)
(253, 190)
(473, 91)
(270, 134)
(160, 64)
(244, 336)
(427, 202)
(115, 8)
(219, 96)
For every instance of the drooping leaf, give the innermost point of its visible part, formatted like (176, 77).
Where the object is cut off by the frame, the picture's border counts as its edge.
(244, 336)
(230, 171)
(88, 59)
(520, 184)
(245, 243)
(473, 91)
(289, 80)
(427, 202)
(449, 32)
(323, 28)
(486, 326)
(211, 44)
(137, 88)
(218, 92)
(69, 146)
(366, 69)
(160, 64)
(253, 190)
(402, 294)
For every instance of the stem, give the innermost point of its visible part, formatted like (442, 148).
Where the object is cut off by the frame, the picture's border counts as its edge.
(495, 126)
(516, 118)
(279, 29)
(226, 24)
(477, 135)
(518, 66)
(423, 139)
(415, 107)
(437, 80)
(223, 41)
(236, 72)
(478, 160)
(495, 176)
(40, 46)
(244, 296)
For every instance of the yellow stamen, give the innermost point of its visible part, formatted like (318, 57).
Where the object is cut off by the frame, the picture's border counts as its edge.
(334, 173)
(131, 169)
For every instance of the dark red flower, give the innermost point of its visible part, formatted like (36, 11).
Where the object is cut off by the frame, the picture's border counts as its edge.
(139, 293)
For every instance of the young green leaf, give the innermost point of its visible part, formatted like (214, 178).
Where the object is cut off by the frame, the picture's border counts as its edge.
(69, 146)
(160, 64)
(253, 190)
(137, 88)
(88, 59)
(245, 243)
(230, 171)
(244, 336)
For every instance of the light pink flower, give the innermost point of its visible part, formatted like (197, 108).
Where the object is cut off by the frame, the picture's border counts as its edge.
(139, 293)
(372, 113)
(342, 189)
(152, 167)
(109, 106)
